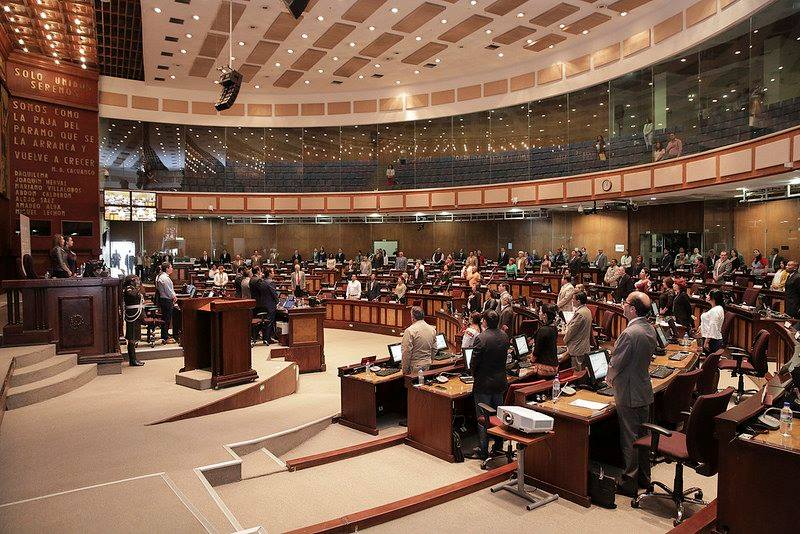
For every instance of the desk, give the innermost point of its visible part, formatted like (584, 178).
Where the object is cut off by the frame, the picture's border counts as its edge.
(757, 483)
(388, 318)
(305, 342)
(430, 416)
(366, 396)
(561, 464)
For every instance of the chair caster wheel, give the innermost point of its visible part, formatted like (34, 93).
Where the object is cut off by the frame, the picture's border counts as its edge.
(698, 495)
(634, 503)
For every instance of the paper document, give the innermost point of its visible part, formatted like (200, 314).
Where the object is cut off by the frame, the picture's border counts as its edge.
(589, 405)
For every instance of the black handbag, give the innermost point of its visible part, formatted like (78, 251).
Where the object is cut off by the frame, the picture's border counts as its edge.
(602, 488)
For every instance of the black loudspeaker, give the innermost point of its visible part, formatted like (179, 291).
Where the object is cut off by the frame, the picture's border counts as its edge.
(231, 82)
(296, 7)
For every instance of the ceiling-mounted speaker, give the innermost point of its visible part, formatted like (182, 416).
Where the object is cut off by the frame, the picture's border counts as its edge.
(296, 7)
(231, 82)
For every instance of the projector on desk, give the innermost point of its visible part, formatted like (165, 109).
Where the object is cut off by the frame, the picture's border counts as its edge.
(525, 419)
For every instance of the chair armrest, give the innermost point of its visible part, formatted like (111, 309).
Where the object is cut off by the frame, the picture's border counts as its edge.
(486, 409)
(687, 413)
(655, 429)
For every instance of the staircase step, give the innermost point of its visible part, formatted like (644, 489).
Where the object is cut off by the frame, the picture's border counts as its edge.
(48, 388)
(36, 354)
(44, 369)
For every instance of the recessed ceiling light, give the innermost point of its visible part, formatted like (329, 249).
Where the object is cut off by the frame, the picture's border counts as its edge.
(336, 58)
(277, 64)
(258, 87)
(652, 198)
(530, 41)
(397, 82)
(360, 76)
(438, 60)
(520, 15)
(157, 9)
(290, 51)
(499, 54)
(623, 14)
(417, 38)
(183, 50)
(416, 72)
(444, 21)
(196, 17)
(394, 10)
(172, 76)
(307, 82)
(304, 35)
(77, 21)
(320, 71)
(188, 35)
(241, 43)
(6, 9)
(83, 65)
(372, 28)
(473, 2)
(488, 32)
(551, 46)
(585, 32)
(562, 26)
(683, 60)
(320, 18)
(377, 65)
(43, 15)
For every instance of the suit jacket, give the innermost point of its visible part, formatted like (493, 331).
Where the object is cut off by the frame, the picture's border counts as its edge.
(565, 295)
(474, 303)
(682, 310)
(401, 263)
(418, 276)
(722, 268)
(601, 261)
(775, 262)
(374, 290)
(491, 304)
(666, 263)
(575, 264)
(302, 283)
(579, 332)
(628, 371)
(488, 364)
(225, 258)
(264, 293)
(502, 259)
(792, 295)
(340, 257)
(507, 319)
(625, 287)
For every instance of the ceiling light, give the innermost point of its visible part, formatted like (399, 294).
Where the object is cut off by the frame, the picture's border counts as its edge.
(623, 14)
(172, 76)
(6, 9)
(320, 71)
(397, 82)
(372, 28)
(304, 35)
(438, 60)
(499, 54)
(196, 17)
(683, 60)
(307, 82)
(20, 41)
(43, 15)
(520, 15)
(277, 64)
(188, 35)
(25, 49)
(551, 46)
(352, 44)
(290, 51)
(320, 18)
(377, 65)
(488, 32)
(83, 65)
(241, 43)
(585, 32)
(78, 21)
(416, 72)
(360, 76)
(652, 198)
(157, 9)
(529, 41)
(473, 2)
(258, 87)
(562, 26)
(417, 38)
(336, 58)
(57, 62)
(394, 10)
(444, 21)
(183, 50)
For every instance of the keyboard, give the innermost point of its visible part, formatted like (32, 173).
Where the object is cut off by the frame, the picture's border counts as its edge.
(679, 356)
(466, 379)
(661, 371)
(441, 355)
(387, 371)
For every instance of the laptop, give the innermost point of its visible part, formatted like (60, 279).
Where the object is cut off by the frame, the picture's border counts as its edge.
(597, 366)
(395, 360)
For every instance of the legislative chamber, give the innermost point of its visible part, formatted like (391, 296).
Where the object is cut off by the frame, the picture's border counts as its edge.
(457, 266)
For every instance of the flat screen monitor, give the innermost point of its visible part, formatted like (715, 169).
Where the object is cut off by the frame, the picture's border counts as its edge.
(116, 198)
(662, 338)
(117, 213)
(143, 198)
(143, 214)
(468, 357)
(396, 353)
(520, 346)
(654, 307)
(598, 365)
(441, 342)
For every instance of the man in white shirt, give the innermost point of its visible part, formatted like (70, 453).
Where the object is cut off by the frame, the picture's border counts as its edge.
(566, 294)
(353, 288)
(626, 260)
(166, 300)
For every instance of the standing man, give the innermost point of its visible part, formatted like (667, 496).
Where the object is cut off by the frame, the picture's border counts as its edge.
(506, 315)
(296, 257)
(340, 256)
(488, 367)
(438, 256)
(502, 258)
(166, 300)
(353, 288)
(419, 343)
(601, 261)
(298, 281)
(266, 296)
(792, 289)
(574, 263)
(579, 331)
(722, 267)
(629, 375)
(225, 257)
(140, 264)
(566, 293)
(775, 260)
(205, 259)
(401, 262)
(666, 262)
(374, 288)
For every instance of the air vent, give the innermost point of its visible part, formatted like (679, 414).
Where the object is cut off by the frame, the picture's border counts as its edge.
(173, 20)
(159, 79)
(377, 75)
(162, 67)
(430, 65)
(492, 47)
(336, 82)
(187, 2)
(171, 39)
(167, 54)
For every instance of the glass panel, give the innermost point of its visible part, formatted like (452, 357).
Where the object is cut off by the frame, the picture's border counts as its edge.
(283, 158)
(433, 166)
(632, 137)
(588, 128)
(120, 153)
(396, 149)
(510, 160)
(676, 106)
(321, 165)
(548, 127)
(205, 159)
(244, 159)
(359, 157)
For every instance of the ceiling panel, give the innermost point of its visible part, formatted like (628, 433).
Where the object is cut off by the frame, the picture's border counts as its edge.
(627, 5)
(334, 35)
(513, 35)
(288, 78)
(248, 71)
(351, 66)
(503, 7)
(465, 27)
(213, 44)
(422, 14)
(221, 20)
(587, 23)
(201, 66)
(281, 27)
(546, 42)
(362, 9)
(423, 53)
(308, 59)
(262, 52)
(554, 14)
(380, 45)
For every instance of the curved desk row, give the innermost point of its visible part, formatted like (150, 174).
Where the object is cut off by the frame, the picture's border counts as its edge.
(378, 317)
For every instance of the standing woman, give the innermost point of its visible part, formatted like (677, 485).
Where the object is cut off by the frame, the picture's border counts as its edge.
(400, 289)
(711, 323)
(58, 258)
(546, 265)
(511, 269)
(681, 307)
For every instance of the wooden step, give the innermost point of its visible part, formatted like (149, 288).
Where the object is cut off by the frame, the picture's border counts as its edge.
(42, 370)
(33, 355)
(51, 387)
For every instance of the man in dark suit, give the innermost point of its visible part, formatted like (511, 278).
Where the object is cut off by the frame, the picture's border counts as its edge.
(792, 291)
(490, 302)
(574, 263)
(625, 286)
(666, 262)
(296, 257)
(488, 366)
(374, 288)
(225, 257)
(506, 315)
(474, 301)
(266, 296)
(340, 256)
(629, 375)
(205, 259)
(502, 258)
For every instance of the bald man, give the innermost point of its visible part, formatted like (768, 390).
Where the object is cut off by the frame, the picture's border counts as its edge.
(629, 375)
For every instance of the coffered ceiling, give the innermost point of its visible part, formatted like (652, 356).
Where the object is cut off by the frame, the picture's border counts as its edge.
(363, 45)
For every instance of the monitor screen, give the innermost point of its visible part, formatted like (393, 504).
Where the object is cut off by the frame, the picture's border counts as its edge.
(598, 364)
(441, 342)
(116, 198)
(520, 346)
(143, 214)
(468, 356)
(143, 198)
(396, 353)
(654, 306)
(117, 213)
(568, 316)
(662, 338)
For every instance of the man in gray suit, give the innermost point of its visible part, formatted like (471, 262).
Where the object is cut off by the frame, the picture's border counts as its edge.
(629, 375)
(579, 331)
(601, 261)
(401, 262)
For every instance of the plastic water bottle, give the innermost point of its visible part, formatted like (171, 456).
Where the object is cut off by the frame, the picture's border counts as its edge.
(686, 340)
(420, 377)
(786, 419)
(556, 388)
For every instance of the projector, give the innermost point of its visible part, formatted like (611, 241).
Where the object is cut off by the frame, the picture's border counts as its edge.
(525, 419)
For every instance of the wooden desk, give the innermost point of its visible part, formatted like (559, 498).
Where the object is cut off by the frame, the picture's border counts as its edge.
(757, 483)
(305, 342)
(430, 416)
(561, 464)
(367, 396)
(388, 318)
(79, 315)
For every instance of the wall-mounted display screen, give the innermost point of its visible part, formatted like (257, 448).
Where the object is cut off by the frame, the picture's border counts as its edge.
(143, 214)
(143, 198)
(118, 213)
(117, 198)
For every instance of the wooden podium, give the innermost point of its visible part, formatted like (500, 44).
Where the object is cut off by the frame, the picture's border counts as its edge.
(305, 342)
(216, 335)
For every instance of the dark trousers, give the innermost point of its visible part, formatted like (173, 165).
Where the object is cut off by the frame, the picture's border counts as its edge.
(165, 306)
(60, 274)
(637, 462)
(268, 329)
(494, 400)
(714, 345)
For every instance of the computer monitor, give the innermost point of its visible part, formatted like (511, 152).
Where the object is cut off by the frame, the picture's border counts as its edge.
(468, 357)
(568, 316)
(441, 342)
(520, 345)
(396, 353)
(654, 307)
(661, 337)
(673, 328)
(598, 365)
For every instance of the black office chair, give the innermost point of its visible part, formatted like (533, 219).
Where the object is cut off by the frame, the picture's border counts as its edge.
(754, 365)
(708, 380)
(27, 263)
(696, 447)
(488, 419)
(676, 400)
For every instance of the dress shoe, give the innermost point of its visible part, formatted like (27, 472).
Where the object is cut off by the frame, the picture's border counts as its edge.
(476, 454)
(626, 490)
(136, 363)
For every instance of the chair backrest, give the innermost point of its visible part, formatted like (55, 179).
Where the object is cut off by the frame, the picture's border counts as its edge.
(700, 441)
(741, 281)
(750, 296)
(27, 263)
(758, 356)
(608, 322)
(708, 380)
(727, 323)
(677, 397)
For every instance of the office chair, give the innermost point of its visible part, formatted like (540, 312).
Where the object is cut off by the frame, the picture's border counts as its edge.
(727, 324)
(676, 400)
(259, 323)
(695, 448)
(756, 364)
(151, 319)
(750, 296)
(27, 263)
(604, 330)
(708, 379)
(528, 327)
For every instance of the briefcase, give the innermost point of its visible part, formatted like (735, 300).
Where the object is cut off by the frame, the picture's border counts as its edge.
(602, 488)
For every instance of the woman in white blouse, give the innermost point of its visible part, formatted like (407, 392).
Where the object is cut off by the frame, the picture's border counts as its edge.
(779, 278)
(472, 331)
(625, 260)
(711, 323)
(220, 279)
(330, 263)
